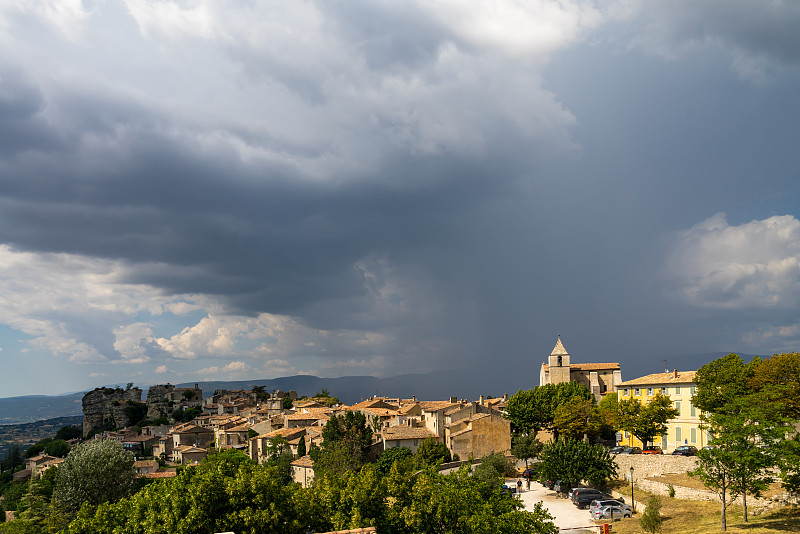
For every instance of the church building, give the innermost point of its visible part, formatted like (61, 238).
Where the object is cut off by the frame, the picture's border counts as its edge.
(599, 378)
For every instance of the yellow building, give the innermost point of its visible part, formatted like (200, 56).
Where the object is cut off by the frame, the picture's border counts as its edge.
(679, 387)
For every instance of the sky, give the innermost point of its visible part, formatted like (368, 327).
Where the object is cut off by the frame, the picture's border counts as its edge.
(222, 190)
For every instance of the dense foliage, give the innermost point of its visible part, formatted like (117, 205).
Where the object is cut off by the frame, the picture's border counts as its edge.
(749, 409)
(573, 461)
(228, 492)
(534, 410)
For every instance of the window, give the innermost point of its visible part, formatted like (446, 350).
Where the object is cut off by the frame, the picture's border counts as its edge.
(693, 389)
(693, 435)
(677, 434)
(693, 410)
(624, 391)
(636, 391)
(678, 407)
(677, 390)
(649, 391)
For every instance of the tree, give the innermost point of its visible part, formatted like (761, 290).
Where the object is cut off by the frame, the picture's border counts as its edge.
(286, 403)
(69, 432)
(301, 447)
(525, 447)
(388, 457)
(649, 420)
(431, 452)
(577, 418)
(573, 461)
(494, 468)
(651, 518)
(533, 410)
(352, 430)
(780, 374)
(716, 468)
(57, 448)
(97, 471)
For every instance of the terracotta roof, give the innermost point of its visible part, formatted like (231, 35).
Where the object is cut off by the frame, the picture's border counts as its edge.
(432, 406)
(462, 431)
(657, 379)
(183, 449)
(407, 408)
(145, 463)
(285, 432)
(407, 432)
(239, 428)
(307, 417)
(191, 429)
(303, 461)
(588, 366)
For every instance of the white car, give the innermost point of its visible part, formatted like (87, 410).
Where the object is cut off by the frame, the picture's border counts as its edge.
(606, 511)
(602, 503)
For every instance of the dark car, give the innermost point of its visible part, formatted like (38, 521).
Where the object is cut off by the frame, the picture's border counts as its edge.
(512, 489)
(652, 450)
(685, 450)
(559, 487)
(616, 450)
(583, 497)
(632, 450)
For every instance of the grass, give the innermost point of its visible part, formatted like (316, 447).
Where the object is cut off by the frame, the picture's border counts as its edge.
(702, 517)
(683, 479)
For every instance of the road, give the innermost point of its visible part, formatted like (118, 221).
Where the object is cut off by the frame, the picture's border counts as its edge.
(567, 516)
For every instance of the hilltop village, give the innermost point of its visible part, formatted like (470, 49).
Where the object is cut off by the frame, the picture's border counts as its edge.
(346, 466)
(178, 426)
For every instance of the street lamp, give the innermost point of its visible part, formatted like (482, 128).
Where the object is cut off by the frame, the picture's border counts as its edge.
(633, 502)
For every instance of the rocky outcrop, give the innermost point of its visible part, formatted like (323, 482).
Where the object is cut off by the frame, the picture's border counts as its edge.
(105, 408)
(158, 402)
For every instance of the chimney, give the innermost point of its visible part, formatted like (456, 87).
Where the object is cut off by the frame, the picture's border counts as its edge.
(675, 373)
(453, 400)
(505, 396)
(414, 398)
(480, 400)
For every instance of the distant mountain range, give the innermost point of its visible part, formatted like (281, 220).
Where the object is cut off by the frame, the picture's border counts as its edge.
(462, 383)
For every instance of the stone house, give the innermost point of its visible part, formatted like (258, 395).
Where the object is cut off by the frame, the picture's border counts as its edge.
(187, 454)
(143, 467)
(599, 378)
(303, 471)
(191, 435)
(479, 435)
(406, 436)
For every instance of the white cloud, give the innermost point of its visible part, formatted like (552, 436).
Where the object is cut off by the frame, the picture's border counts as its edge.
(753, 265)
(161, 369)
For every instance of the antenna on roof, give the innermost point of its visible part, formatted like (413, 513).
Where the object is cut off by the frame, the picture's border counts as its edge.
(666, 367)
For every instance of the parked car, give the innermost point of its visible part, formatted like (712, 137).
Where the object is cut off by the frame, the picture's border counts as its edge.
(685, 450)
(616, 450)
(652, 450)
(512, 489)
(632, 450)
(573, 490)
(605, 512)
(583, 497)
(602, 503)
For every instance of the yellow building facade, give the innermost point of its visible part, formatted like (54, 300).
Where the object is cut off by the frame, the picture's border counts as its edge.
(679, 386)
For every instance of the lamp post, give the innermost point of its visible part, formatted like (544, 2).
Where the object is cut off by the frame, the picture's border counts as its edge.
(633, 502)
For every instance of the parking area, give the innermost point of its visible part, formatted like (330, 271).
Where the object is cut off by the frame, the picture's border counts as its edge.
(567, 517)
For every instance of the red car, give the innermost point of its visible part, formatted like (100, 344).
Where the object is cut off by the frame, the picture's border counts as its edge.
(652, 450)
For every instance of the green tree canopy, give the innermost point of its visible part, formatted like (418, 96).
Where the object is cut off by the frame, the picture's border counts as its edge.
(525, 447)
(648, 420)
(576, 418)
(95, 472)
(431, 452)
(533, 410)
(574, 461)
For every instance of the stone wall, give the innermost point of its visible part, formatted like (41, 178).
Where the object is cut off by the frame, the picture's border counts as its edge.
(158, 405)
(648, 465)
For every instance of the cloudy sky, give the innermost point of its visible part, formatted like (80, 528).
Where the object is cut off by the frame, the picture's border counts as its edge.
(201, 190)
